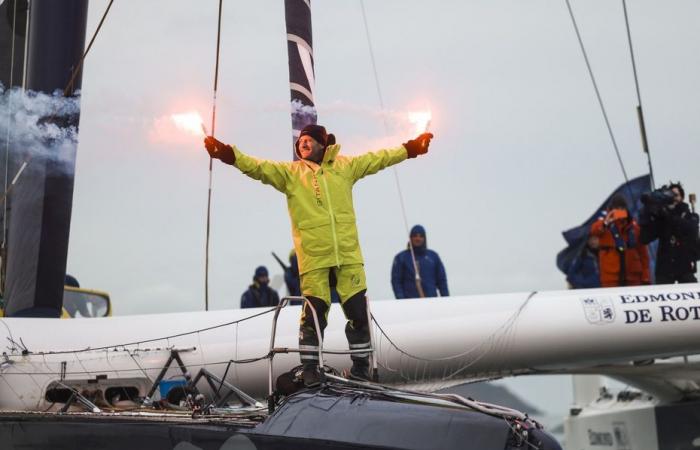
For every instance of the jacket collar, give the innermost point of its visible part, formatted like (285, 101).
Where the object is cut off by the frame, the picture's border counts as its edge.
(331, 153)
(328, 157)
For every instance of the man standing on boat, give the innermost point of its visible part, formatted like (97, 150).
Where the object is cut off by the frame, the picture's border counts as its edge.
(431, 271)
(319, 197)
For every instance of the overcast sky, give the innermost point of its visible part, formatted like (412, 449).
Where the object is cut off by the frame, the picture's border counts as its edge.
(520, 152)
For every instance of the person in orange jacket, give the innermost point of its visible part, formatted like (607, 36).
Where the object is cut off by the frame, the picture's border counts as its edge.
(624, 260)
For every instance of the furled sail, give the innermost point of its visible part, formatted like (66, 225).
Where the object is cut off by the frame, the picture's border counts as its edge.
(41, 199)
(301, 64)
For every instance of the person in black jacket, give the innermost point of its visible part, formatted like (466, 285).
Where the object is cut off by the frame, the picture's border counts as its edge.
(584, 272)
(259, 294)
(668, 218)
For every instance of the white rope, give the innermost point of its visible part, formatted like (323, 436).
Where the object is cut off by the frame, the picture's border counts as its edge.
(496, 343)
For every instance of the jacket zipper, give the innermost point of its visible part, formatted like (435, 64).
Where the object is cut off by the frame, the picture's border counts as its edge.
(330, 212)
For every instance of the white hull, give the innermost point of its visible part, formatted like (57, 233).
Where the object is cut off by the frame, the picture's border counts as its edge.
(492, 334)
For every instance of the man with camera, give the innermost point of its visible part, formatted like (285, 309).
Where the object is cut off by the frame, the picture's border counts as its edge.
(669, 219)
(623, 259)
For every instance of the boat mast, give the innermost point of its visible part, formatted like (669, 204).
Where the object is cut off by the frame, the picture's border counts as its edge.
(301, 65)
(39, 222)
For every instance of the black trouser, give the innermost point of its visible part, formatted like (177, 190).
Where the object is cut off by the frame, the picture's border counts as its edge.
(671, 278)
(356, 330)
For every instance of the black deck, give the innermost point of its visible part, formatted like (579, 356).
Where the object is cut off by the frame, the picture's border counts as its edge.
(330, 417)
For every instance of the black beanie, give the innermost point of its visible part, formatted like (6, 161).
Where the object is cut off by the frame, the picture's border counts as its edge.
(317, 132)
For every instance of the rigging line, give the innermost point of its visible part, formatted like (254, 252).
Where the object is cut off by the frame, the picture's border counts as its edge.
(77, 358)
(69, 87)
(9, 119)
(211, 161)
(133, 358)
(162, 338)
(507, 324)
(634, 64)
(139, 369)
(419, 286)
(9, 385)
(597, 93)
(640, 115)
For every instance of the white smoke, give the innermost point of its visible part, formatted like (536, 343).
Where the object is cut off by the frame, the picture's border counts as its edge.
(37, 125)
(394, 122)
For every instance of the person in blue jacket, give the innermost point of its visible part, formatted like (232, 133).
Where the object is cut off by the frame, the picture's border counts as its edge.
(430, 268)
(584, 272)
(259, 294)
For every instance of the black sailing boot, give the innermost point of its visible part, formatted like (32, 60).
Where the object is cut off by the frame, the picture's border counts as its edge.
(360, 371)
(308, 341)
(357, 332)
(311, 375)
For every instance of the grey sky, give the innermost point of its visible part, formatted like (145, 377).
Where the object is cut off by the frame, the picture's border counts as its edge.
(521, 152)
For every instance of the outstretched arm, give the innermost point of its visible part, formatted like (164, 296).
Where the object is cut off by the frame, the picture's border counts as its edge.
(372, 162)
(273, 173)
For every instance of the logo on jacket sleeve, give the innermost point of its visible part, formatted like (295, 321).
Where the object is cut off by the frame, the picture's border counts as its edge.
(598, 311)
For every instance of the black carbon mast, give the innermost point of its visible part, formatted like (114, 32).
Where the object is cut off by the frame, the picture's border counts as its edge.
(301, 65)
(41, 201)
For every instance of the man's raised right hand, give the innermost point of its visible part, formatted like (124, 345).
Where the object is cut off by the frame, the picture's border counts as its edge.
(419, 145)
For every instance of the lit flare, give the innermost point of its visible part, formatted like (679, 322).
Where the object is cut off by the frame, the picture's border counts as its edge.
(190, 122)
(421, 119)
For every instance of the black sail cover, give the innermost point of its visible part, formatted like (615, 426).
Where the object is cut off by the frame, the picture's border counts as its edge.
(301, 65)
(41, 200)
(13, 33)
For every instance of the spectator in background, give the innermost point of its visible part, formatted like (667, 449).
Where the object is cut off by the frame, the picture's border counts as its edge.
(260, 294)
(430, 268)
(584, 271)
(291, 275)
(623, 259)
(669, 219)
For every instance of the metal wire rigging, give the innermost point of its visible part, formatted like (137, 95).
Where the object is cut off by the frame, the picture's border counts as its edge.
(640, 114)
(211, 160)
(419, 286)
(597, 92)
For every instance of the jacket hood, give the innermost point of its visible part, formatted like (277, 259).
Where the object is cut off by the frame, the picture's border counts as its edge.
(419, 229)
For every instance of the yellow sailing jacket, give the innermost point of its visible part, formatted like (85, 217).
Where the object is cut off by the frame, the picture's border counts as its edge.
(319, 199)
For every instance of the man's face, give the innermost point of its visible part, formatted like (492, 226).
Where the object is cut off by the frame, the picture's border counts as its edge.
(676, 196)
(263, 280)
(417, 240)
(310, 149)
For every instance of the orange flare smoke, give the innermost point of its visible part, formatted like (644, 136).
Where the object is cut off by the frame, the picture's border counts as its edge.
(190, 122)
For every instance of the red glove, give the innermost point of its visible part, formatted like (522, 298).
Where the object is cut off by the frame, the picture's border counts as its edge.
(419, 145)
(219, 150)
